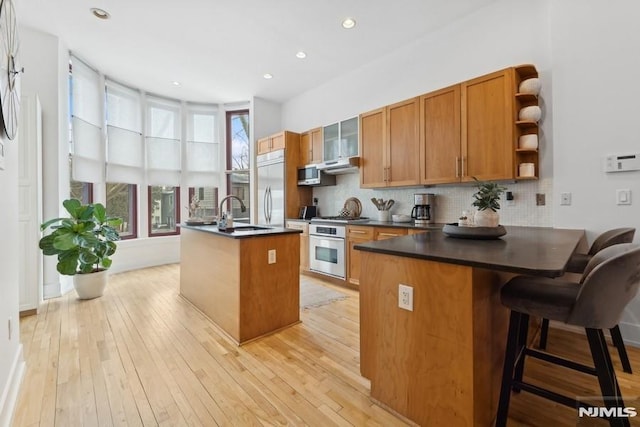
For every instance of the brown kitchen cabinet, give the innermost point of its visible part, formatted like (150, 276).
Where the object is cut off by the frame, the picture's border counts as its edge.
(389, 144)
(360, 234)
(311, 147)
(355, 235)
(304, 242)
(276, 142)
(440, 150)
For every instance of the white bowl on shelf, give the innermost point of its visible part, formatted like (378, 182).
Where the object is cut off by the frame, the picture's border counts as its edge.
(530, 114)
(527, 170)
(400, 218)
(530, 86)
(528, 142)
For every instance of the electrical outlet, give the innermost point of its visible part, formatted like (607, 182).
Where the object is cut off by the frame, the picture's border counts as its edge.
(540, 199)
(272, 256)
(565, 199)
(405, 297)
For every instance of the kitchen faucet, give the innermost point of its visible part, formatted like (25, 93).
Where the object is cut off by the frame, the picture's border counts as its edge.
(243, 208)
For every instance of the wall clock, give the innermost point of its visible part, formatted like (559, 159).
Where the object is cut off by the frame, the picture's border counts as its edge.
(9, 69)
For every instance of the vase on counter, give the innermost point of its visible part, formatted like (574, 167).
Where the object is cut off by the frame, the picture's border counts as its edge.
(486, 218)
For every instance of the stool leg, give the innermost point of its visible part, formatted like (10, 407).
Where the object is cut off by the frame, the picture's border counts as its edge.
(616, 337)
(544, 331)
(612, 372)
(606, 375)
(523, 332)
(507, 371)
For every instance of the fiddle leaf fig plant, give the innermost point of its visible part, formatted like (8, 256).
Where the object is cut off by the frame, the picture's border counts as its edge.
(84, 242)
(488, 195)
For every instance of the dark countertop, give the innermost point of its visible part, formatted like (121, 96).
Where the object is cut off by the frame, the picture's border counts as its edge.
(536, 251)
(242, 231)
(375, 223)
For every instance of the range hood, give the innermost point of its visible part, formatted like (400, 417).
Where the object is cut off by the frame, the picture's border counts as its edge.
(340, 166)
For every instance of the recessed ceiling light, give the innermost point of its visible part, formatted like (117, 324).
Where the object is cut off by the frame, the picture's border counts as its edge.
(176, 83)
(348, 23)
(100, 13)
(301, 55)
(268, 76)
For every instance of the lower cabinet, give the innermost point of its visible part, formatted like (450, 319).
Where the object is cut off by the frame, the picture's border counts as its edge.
(304, 242)
(357, 234)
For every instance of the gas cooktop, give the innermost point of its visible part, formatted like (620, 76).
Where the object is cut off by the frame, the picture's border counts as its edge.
(341, 219)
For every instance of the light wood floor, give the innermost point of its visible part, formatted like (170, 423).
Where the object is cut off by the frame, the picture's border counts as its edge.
(141, 355)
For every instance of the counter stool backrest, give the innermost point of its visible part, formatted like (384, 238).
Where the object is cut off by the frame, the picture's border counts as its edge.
(609, 282)
(612, 237)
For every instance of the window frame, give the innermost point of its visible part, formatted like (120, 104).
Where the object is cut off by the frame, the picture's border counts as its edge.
(177, 212)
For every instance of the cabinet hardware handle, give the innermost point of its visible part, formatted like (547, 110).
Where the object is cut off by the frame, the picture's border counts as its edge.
(463, 166)
(357, 232)
(389, 174)
(389, 234)
(457, 167)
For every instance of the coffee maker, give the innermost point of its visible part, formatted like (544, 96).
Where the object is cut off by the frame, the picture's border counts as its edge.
(423, 211)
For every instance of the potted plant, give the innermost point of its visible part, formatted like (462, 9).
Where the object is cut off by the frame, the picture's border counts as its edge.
(487, 200)
(83, 244)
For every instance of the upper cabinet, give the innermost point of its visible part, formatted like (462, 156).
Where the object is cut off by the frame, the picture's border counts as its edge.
(390, 143)
(272, 143)
(341, 139)
(487, 124)
(311, 147)
(440, 151)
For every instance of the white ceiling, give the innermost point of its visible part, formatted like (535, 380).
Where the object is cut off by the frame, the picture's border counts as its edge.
(219, 50)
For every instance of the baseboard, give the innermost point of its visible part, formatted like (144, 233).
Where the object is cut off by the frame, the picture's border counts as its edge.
(9, 396)
(630, 332)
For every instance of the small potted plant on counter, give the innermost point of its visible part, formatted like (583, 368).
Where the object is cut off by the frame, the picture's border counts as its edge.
(487, 199)
(83, 244)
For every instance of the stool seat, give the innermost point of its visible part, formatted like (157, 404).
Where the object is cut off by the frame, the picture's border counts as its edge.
(540, 296)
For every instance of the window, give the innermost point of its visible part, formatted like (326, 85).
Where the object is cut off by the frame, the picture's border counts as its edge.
(163, 142)
(122, 203)
(82, 191)
(238, 161)
(164, 212)
(208, 197)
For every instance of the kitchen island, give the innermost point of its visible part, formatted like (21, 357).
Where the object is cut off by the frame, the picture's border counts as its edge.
(441, 363)
(245, 280)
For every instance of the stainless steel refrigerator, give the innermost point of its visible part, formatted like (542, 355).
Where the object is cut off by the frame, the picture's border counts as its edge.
(271, 196)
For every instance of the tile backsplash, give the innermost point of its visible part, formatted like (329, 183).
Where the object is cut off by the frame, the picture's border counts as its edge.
(451, 200)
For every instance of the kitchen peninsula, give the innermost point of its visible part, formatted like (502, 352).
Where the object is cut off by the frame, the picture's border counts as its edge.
(246, 280)
(441, 363)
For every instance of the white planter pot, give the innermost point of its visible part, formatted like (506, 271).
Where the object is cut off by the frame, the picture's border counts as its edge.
(89, 286)
(486, 218)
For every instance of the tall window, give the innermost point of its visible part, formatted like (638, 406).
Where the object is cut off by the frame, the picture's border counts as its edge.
(82, 191)
(208, 201)
(164, 210)
(122, 202)
(238, 161)
(163, 142)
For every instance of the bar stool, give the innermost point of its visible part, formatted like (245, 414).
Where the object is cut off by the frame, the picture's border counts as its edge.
(610, 281)
(577, 264)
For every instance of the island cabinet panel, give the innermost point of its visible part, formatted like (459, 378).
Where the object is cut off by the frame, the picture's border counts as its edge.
(440, 151)
(439, 364)
(488, 147)
(231, 281)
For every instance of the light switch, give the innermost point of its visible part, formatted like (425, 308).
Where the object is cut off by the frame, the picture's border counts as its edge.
(623, 197)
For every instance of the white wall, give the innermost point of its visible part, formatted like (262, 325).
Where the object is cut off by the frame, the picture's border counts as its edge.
(11, 362)
(596, 107)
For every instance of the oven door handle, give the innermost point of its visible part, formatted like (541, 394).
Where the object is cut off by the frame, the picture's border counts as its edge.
(321, 237)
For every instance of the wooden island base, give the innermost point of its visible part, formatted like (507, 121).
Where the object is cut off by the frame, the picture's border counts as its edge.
(231, 281)
(441, 363)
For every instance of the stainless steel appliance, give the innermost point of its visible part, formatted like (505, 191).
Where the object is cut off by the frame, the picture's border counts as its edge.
(311, 175)
(423, 211)
(327, 247)
(271, 195)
